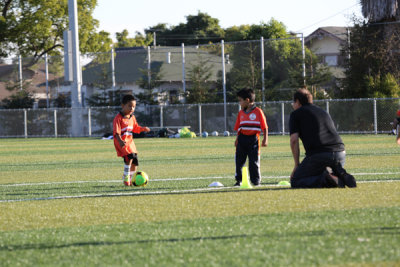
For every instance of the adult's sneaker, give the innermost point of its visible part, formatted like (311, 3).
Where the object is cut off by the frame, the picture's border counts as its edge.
(330, 180)
(347, 179)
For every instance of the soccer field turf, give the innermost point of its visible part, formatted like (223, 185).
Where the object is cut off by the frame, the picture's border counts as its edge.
(62, 203)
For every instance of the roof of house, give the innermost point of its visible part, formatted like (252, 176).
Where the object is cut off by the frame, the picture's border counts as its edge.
(338, 33)
(34, 79)
(131, 64)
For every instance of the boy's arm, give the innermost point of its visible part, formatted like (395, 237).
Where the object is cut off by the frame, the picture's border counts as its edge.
(265, 139)
(119, 139)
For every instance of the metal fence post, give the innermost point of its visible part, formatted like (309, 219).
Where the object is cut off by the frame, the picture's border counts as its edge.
(47, 80)
(223, 79)
(90, 121)
(20, 72)
(161, 116)
(199, 118)
(375, 118)
(283, 118)
(55, 123)
(262, 70)
(25, 124)
(327, 106)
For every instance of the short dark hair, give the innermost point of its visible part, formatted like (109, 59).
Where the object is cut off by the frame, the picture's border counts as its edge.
(303, 95)
(247, 93)
(128, 98)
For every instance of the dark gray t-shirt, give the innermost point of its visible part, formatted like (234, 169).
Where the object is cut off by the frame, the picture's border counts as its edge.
(316, 130)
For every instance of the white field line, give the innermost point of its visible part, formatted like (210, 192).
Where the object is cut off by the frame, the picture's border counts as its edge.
(179, 179)
(158, 192)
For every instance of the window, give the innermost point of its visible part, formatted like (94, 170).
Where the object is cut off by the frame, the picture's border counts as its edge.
(331, 60)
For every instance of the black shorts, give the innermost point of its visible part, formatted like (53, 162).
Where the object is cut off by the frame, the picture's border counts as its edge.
(133, 157)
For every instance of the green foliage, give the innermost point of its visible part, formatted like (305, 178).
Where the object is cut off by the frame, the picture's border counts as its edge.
(372, 62)
(20, 99)
(200, 90)
(149, 86)
(33, 27)
(198, 29)
(381, 87)
(62, 101)
(138, 41)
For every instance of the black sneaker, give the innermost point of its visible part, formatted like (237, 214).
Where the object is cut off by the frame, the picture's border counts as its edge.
(330, 181)
(347, 179)
(237, 184)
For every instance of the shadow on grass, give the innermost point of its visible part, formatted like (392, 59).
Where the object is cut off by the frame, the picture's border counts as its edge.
(319, 233)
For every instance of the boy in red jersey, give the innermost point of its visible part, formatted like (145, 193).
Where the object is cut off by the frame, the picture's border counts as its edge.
(396, 127)
(124, 125)
(249, 124)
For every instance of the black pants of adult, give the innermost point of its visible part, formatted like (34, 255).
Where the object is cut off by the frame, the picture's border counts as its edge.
(248, 147)
(310, 172)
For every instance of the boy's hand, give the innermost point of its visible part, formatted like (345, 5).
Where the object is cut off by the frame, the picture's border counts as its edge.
(236, 142)
(121, 142)
(146, 129)
(264, 142)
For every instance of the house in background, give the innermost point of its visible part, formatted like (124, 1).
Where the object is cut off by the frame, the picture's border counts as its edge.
(166, 67)
(327, 42)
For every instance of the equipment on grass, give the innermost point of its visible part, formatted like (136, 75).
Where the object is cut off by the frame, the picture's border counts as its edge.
(215, 133)
(226, 133)
(204, 134)
(216, 184)
(140, 179)
(284, 183)
(398, 134)
(245, 179)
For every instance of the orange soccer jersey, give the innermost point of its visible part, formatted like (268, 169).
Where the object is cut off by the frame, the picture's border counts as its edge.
(252, 123)
(125, 127)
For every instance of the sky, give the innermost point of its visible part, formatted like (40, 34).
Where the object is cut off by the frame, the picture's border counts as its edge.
(303, 16)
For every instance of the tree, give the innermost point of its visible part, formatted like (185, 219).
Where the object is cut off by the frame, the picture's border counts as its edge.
(34, 27)
(198, 29)
(138, 41)
(20, 99)
(380, 10)
(148, 85)
(372, 61)
(200, 90)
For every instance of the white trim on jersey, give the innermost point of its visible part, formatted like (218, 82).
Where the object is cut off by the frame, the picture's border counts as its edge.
(127, 133)
(249, 129)
(250, 122)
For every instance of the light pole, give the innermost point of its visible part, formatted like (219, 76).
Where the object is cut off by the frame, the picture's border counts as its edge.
(76, 96)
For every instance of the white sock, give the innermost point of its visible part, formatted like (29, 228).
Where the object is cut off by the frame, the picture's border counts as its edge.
(127, 169)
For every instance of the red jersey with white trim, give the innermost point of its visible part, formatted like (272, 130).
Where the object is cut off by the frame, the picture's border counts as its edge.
(125, 126)
(251, 123)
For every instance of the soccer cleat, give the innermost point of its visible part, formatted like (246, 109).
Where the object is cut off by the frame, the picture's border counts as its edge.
(127, 180)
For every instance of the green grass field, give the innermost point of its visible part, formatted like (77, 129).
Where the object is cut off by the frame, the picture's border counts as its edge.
(62, 203)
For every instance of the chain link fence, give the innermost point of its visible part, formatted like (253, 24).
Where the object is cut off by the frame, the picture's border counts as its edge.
(351, 116)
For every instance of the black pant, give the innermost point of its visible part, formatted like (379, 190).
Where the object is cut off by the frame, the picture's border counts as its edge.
(309, 173)
(248, 146)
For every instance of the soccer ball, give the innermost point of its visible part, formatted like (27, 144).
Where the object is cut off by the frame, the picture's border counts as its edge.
(226, 133)
(204, 134)
(215, 133)
(140, 179)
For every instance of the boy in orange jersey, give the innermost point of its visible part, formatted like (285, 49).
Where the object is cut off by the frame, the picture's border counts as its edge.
(249, 124)
(396, 127)
(124, 125)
